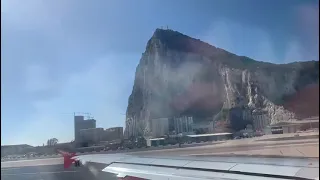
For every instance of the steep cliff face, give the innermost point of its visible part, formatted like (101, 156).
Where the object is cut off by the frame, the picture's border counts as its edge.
(178, 75)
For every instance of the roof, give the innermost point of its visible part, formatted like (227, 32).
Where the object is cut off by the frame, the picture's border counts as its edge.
(214, 134)
(155, 139)
(295, 122)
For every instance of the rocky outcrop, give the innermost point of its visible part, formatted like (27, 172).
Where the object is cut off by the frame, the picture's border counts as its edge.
(178, 75)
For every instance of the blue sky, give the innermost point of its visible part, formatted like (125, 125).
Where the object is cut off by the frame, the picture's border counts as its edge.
(60, 57)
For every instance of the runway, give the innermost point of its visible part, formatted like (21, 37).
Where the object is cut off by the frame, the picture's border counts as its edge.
(52, 168)
(306, 148)
(56, 172)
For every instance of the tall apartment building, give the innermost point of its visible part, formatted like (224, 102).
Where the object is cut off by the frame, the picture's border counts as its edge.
(183, 125)
(81, 123)
(260, 119)
(159, 127)
(131, 127)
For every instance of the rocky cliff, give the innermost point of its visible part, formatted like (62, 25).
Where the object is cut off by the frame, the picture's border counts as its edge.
(179, 75)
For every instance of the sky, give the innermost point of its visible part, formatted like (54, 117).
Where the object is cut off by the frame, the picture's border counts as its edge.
(65, 56)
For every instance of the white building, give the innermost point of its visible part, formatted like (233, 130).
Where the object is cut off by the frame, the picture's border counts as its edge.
(260, 119)
(131, 127)
(183, 125)
(159, 127)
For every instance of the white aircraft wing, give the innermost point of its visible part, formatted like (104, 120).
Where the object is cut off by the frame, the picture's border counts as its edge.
(195, 168)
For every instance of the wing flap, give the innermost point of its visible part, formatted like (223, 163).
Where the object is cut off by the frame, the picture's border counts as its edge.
(266, 169)
(160, 173)
(211, 165)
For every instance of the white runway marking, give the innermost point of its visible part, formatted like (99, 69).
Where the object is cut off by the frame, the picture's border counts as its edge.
(31, 162)
(28, 160)
(9, 168)
(261, 148)
(34, 173)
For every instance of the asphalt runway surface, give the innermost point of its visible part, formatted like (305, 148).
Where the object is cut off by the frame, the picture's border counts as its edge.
(204, 149)
(122, 151)
(52, 168)
(57, 172)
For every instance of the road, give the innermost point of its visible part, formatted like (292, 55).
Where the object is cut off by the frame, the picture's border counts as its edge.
(56, 172)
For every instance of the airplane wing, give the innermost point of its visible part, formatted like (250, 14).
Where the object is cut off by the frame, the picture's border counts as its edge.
(195, 168)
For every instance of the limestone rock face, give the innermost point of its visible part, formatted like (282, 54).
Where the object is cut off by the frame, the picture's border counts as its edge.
(178, 75)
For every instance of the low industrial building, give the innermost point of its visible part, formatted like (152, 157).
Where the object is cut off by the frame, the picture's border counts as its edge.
(294, 126)
(155, 142)
(203, 127)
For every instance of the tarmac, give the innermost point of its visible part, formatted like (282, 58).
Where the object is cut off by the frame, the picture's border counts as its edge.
(52, 168)
(304, 146)
(56, 172)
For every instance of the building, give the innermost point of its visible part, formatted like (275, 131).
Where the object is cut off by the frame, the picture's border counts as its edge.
(247, 114)
(131, 127)
(221, 126)
(203, 127)
(294, 126)
(183, 125)
(159, 127)
(81, 123)
(91, 135)
(260, 119)
(155, 142)
(114, 133)
(96, 135)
